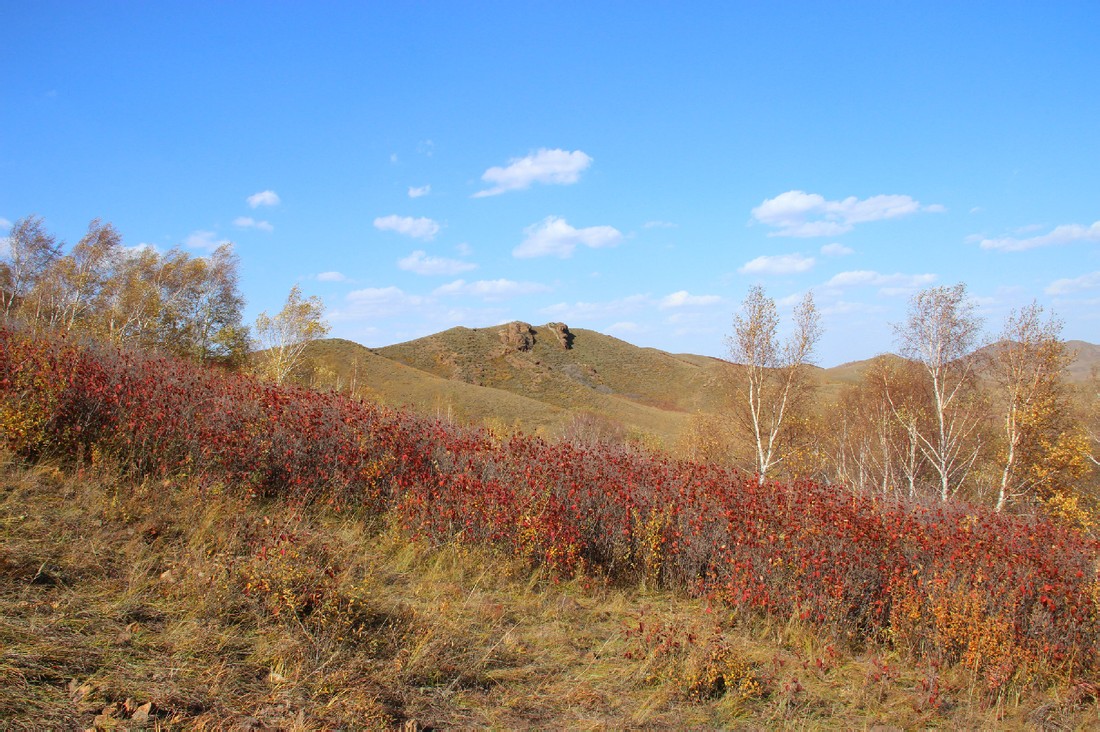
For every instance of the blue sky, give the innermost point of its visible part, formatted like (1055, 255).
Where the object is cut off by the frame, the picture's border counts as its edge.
(627, 167)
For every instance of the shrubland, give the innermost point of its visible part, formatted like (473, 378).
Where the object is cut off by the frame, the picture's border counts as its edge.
(283, 530)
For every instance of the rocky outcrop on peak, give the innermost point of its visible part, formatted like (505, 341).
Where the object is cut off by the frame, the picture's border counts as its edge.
(516, 336)
(561, 332)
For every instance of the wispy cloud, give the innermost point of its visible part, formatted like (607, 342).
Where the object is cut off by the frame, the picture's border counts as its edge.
(557, 167)
(1065, 234)
(138, 249)
(777, 264)
(422, 264)
(377, 302)
(247, 222)
(4, 224)
(332, 277)
(843, 307)
(205, 240)
(418, 191)
(658, 225)
(553, 236)
(418, 228)
(888, 284)
(589, 311)
(264, 198)
(491, 289)
(627, 327)
(1069, 286)
(836, 250)
(801, 214)
(684, 299)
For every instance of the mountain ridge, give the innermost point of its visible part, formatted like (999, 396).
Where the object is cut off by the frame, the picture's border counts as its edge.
(538, 378)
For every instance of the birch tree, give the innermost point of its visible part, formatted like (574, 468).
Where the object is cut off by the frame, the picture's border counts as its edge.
(941, 334)
(1091, 400)
(284, 336)
(773, 383)
(1025, 369)
(875, 428)
(27, 254)
(72, 289)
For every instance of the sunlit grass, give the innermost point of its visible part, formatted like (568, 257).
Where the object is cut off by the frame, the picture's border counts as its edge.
(115, 595)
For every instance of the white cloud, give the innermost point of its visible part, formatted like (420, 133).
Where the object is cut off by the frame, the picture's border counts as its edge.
(843, 307)
(377, 302)
(624, 326)
(553, 236)
(207, 240)
(137, 249)
(420, 228)
(491, 289)
(790, 301)
(422, 264)
(418, 191)
(464, 249)
(777, 264)
(684, 299)
(4, 223)
(1065, 234)
(264, 198)
(836, 250)
(589, 311)
(332, 277)
(888, 284)
(247, 222)
(1070, 286)
(658, 225)
(556, 166)
(801, 214)
(690, 323)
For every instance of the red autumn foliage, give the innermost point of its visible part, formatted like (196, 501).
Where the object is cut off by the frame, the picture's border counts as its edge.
(955, 584)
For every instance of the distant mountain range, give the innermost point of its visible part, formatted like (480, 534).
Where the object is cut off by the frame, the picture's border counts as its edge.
(538, 377)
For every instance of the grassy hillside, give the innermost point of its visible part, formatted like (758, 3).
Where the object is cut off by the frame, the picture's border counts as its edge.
(535, 378)
(344, 364)
(188, 548)
(1087, 361)
(644, 388)
(154, 606)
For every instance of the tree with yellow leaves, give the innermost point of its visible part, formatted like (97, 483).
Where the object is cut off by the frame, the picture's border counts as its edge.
(1025, 368)
(773, 382)
(283, 337)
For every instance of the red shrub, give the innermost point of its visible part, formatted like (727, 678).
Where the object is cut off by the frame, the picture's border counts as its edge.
(955, 583)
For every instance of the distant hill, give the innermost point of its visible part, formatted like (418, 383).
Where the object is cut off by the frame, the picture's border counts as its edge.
(538, 377)
(579, 369)
(346, 364)
(1088, 359)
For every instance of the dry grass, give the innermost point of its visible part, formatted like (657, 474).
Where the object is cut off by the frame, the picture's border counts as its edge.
(225, 614)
